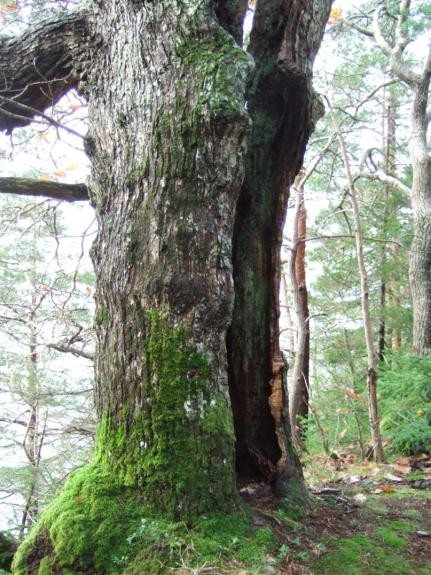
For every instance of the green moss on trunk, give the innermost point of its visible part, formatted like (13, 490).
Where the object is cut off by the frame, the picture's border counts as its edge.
(179, 450)
(174, 458)
(97, 526)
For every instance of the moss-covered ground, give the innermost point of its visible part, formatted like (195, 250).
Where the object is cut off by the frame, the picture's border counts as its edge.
(98, 528)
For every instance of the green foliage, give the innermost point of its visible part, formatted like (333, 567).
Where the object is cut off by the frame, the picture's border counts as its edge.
(405, 402)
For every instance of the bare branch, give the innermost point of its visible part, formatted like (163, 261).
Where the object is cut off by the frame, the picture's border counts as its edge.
(71, 349)
(358, 28)
(54, 190)
(392, 181)
(373, 93)
(377, 32)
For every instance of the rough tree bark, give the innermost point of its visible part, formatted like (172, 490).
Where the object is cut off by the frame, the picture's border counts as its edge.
(283, 42)
(192, 157)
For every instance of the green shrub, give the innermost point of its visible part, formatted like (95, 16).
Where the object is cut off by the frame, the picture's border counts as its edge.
(405, 403)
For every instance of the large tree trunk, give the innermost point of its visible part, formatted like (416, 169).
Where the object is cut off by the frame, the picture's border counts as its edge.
(190, 197)
(167, 139)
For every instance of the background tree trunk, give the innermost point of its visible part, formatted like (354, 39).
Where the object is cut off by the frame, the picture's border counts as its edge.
(420, 255)
(365, 303)
(298, 392)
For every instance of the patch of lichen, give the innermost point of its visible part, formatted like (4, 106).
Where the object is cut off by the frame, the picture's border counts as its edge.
(179, 451)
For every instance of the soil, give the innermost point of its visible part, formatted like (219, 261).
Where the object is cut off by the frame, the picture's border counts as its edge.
(391, 514)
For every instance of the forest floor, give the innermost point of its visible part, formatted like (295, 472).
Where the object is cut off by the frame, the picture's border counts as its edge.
(364, 519)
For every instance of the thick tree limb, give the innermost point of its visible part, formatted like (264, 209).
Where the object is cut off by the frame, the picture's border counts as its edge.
(54, 190)
(395, 52)
(41, 65)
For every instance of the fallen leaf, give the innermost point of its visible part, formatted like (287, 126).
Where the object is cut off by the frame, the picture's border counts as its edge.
(403, 461)
(351, 393)
(388, 488)
(421, 457)
(402, 469)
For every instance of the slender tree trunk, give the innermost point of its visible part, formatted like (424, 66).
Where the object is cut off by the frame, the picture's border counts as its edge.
(390, 148)
(32, 437)
(420, 254)
(298, 393)
(289, 329)
(371, 353)
(354, 378)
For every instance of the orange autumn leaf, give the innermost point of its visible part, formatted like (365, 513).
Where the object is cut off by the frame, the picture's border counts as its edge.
(335, 16)
(388, 489)
(351, 393)
(59, 173)
(402, 469)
